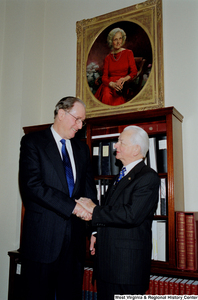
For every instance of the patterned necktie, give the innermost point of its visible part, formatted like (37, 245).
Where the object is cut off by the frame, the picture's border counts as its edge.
(67, 167)
(121, 175)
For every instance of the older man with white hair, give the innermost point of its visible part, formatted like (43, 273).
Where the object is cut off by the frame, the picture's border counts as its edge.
(124, 237)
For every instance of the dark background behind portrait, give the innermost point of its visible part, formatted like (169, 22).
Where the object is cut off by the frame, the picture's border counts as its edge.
(137, 40)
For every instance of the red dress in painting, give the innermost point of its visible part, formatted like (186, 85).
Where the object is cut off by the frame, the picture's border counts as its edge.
(116, 66)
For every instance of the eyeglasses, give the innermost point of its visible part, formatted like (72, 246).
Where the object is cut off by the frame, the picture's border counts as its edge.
(78, 120)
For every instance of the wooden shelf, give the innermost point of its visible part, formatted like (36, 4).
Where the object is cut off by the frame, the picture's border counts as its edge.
(166, 121)
(174, 272)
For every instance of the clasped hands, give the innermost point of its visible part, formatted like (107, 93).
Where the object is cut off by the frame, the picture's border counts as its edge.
(84, 208)
(118, 85)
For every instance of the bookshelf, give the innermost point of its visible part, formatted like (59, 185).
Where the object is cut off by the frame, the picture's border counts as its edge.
(158, 122)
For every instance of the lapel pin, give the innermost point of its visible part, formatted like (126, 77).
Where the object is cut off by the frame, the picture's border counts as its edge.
(129, 178)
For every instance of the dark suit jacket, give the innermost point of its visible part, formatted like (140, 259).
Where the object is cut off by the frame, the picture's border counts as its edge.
(124, 239)
(48, 207)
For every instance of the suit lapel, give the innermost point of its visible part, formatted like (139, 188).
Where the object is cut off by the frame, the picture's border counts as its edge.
(115, 191)
(55, 158)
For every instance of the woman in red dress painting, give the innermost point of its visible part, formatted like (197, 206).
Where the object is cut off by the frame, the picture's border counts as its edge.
(119, 67)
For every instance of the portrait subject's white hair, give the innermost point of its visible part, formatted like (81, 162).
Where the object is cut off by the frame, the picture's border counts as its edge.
(111, 35)
(139, 137)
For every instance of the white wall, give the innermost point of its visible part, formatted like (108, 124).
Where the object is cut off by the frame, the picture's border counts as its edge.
(38, 67)
(181, 82)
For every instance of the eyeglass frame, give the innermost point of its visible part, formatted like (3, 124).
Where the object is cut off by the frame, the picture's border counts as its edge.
(78, 120)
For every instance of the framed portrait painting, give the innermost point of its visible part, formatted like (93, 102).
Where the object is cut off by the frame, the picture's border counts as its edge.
(136, 31)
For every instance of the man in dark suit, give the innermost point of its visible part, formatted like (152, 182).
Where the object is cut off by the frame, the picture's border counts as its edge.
(124, 238)
(53, 238)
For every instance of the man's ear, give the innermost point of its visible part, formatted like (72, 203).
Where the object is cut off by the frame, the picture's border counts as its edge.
(61, 114)
(137, 150)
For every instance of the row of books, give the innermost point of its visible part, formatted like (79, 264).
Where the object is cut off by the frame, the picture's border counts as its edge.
(186, 240)
(89, 289)
(102, 187)
(160, 285)
(105, 162)
(104, 158)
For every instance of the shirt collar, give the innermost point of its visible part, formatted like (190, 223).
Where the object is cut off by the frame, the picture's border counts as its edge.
(55, 134)
(130, 166)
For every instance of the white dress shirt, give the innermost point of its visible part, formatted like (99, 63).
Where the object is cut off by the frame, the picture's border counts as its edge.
(130, 166)
(57, 138)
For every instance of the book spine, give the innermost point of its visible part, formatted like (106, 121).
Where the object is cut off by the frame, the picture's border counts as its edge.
(151, 285)
(171, 287)
(190, 242)
(194, 290)
(101, 187)
(115, 164)
(188, 287)
(163, 197)
(152, 153)
(154, 240)
(166, 286)
(161, 286)
(96, 158)
(105, 159)
(156, 285)
(181, 240)
(182, 287)
(86, 284)
(95, 291)
(161, 240)
(176, 288)
(162, 154)
(90, 284)
(83, 285)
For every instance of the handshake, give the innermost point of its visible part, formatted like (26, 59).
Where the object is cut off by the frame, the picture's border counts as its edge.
(84, 208)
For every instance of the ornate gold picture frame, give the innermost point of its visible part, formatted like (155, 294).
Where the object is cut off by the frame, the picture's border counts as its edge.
(143, 26)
